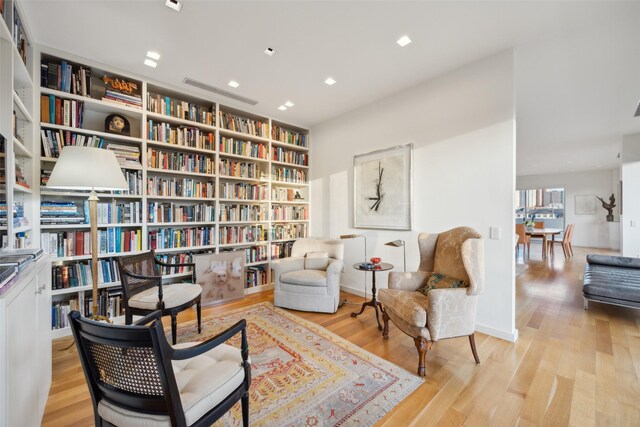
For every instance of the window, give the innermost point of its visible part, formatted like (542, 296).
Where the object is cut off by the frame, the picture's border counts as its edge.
(541, 205)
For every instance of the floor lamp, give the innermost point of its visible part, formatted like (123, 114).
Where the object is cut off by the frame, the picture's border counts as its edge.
(397, 244)
(89, 168)
(353, 236)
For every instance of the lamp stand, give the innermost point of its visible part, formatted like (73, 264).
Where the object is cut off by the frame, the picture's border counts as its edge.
(93, 219)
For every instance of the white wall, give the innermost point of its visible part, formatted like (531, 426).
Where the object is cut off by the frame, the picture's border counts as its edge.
(591, 230)
(630, 217)
(463, 130)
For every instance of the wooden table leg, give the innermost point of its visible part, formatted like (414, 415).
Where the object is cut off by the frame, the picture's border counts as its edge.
(544, 246)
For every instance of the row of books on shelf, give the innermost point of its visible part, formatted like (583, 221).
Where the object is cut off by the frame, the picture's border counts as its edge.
(181, 258)
(78, 243)
(159, 212)
(65, 77)
(281, 250)
(110, 305)
(256, 276)
(67, 212)
(61, 212)
(79, 274)
(54, 140)
(178, 161)
(279, 194)
(257, 253)
(65, 112)
(289, 213)
(245, 125)
(289, 136)
(242, 213)
(179, 187)
(180, 135)
(168, 106)
(243, 191)
(239, 147)
(170, 238)
(290, 156)
(288, 231)
(115, 212)
(239, 169)
(288, 174)
(242, 234)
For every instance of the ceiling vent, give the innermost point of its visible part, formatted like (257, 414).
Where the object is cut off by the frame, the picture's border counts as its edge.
(637, 114)
(218, 91)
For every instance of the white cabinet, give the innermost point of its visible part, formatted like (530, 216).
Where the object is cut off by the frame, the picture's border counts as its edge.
(25, 347)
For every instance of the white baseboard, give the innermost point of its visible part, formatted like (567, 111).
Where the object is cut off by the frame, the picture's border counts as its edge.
(354, 291)
(503, 335)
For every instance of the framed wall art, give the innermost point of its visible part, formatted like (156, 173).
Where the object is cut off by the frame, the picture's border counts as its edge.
(585, 204)
(220, 275)
(383, 189)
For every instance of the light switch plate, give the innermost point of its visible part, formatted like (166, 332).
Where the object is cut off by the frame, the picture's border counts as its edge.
(634, 223)
(494, 233)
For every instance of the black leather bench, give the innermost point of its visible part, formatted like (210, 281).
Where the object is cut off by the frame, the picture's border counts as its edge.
(612, 280)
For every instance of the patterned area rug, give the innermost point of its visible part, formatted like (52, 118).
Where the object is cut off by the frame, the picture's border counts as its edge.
(304, 375)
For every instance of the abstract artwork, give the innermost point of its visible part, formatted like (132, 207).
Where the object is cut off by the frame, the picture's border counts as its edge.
(220, 275)
(382, 189)
(585, 204)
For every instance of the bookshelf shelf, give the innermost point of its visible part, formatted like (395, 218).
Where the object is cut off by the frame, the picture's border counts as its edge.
(186, 249)
(172, 172)
(22, 189)
(289, 202)
(22, 229)
(237, 245)
(5, 34)
(20, 73)
(154, 197)
(51, 193)
(289, 221)
(240, 178)
(259, 288)
(292, 165)
(21, 149)
(99, 105)
(22, 109)
(76, 289)
(253, 264)
(241, 135)
(242, 222)
(168, 146)
(243, 201)
(100, 255)
(289, 184)
(283, 240)
(288, 146)
(240, 157)
(107, 136)
(179, 121)
(179, 224)
(87, 226)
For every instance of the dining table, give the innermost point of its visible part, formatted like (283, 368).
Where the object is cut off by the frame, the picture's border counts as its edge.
(545, 233)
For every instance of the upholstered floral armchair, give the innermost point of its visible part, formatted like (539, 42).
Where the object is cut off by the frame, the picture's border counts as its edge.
(309, 280)
(419, 305)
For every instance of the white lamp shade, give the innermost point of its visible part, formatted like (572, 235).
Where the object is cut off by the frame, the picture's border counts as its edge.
(87, 168)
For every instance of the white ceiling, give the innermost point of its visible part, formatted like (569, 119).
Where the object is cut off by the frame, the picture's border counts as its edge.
(576, 62)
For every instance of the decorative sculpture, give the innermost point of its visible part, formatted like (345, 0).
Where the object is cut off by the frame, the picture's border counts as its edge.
(609, 206)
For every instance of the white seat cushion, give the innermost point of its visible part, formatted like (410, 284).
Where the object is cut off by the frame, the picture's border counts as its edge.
(173, 295)
(305, 278)
(203, 382)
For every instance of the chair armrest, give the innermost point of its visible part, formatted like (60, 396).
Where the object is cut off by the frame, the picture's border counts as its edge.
(156, 315)
(408, 281)
(213, 342)
(335, 266)
(451, 313)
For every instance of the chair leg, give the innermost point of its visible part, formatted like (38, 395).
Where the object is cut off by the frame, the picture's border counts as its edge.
(174, 328)
(564, 250)
(472, 341)
(245, 410)
(385, 327)
(128, 318)
(571, 248)
(423, 346)
(199, 311)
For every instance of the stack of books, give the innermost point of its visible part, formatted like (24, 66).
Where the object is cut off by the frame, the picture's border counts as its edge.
(130, 100)
(52, 212)
(126, 154)
(65, 77)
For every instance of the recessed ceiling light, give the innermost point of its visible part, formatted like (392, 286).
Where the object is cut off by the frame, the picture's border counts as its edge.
(233, 83)
(403, 41)
(153, 55)
(150, 63)
(269, 51)
(330, 81)
(288, 104)
(282, 108)
(173, 4)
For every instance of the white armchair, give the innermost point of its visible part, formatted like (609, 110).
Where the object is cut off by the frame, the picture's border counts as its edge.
(309, 280)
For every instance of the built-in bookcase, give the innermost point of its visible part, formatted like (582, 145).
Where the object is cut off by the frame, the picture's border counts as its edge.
(204, 177)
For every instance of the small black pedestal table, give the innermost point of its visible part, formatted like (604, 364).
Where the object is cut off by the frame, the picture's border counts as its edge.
(383, 266)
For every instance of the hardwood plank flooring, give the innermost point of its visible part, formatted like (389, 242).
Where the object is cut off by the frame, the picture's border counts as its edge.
(569, 366)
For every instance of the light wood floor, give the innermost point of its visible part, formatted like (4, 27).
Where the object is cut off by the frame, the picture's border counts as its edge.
(569, 366)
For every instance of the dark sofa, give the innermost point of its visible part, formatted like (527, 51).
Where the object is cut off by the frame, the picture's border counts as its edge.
(612, 280)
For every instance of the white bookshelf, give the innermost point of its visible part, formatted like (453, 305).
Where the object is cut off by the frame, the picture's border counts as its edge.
(97, 109)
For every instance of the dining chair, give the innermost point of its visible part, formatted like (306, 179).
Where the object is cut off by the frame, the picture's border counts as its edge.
(570, 244)
(136, 378)
(538, 224)
(523, 239)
